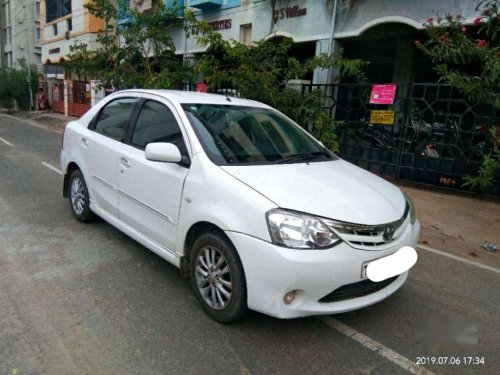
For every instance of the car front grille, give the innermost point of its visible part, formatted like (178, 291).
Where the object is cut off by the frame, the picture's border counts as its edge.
(370, 237)
(359, 289)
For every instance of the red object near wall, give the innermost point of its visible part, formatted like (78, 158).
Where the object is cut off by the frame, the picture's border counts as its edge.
(77, 109)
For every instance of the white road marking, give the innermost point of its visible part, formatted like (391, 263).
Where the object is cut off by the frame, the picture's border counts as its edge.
(459, 258)
(376, 347)
(6, 142)
(57, 170)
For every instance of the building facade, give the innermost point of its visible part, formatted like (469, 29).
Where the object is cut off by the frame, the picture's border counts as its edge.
(20, 32)
(64, 22)
(379, 31)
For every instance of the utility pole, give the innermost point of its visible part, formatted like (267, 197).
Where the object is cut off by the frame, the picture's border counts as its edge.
(28, 49)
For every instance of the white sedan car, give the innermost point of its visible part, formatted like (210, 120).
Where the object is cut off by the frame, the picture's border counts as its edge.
(257, 212)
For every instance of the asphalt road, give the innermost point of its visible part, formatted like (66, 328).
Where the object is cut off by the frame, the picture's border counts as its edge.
(84, 298)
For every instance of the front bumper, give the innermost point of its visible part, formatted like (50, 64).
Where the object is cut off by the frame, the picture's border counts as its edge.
(272, 271)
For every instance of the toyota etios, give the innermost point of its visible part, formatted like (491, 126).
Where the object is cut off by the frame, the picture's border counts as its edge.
(259, 213)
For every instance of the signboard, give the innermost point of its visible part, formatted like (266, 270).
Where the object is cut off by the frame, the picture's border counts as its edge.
(289, 12)
(382, 117)
(201, 87)
(221, 25)
(382, 94)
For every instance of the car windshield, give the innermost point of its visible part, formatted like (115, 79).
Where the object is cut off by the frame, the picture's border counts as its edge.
(242, 135)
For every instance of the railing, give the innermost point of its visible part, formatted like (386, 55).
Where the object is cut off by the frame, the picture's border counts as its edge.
(438, 136)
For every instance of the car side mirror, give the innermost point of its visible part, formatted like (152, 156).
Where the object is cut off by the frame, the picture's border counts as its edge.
(164, 152)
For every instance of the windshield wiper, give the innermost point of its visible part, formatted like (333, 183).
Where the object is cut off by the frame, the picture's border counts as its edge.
(301, 157)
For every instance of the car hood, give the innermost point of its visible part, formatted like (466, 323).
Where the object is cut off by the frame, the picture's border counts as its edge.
(333, 189)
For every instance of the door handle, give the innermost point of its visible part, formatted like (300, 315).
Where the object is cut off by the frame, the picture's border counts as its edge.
(125, 162)
(85, 141)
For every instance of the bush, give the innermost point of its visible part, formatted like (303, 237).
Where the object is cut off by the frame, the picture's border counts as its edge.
(15, 87)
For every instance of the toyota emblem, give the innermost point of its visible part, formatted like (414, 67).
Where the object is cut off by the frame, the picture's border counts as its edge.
(388, 233)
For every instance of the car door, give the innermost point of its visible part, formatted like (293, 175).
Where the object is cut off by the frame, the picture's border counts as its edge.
(150, 192)
(103, 147)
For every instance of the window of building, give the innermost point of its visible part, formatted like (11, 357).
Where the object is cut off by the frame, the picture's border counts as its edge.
(8, 58)
(7, 35)
(246, 34)
(37, 10)
(54, 29)
(37, 34)
(112, 121)
(69, 24)
(6, 12)
(56, 9)
(38, 58)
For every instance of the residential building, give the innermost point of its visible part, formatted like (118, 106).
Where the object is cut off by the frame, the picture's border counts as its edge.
(20, 32)
(63, 22)
(380, 31)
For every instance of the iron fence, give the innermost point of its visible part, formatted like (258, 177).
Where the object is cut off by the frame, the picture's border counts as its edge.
(437, 135)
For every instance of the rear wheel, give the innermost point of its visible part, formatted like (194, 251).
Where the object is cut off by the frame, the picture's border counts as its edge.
(218, 278)
(79, 197)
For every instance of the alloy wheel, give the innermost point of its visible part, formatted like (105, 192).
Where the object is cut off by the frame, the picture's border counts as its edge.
(213, 277)
(77, 196)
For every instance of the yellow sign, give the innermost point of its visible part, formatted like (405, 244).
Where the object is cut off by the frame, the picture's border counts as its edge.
(382, 117)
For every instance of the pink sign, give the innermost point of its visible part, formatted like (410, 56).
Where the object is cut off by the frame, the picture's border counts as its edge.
(382, 94)
(201, 87)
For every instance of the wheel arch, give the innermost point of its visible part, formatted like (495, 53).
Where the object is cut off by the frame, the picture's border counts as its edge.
(72, 166)
(194, 231)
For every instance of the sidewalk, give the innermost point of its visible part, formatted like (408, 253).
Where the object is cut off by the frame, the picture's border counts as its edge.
(457, 223)
(454, 222)
(48, 120)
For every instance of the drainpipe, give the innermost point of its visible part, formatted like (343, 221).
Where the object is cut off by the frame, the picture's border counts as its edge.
(331, 47)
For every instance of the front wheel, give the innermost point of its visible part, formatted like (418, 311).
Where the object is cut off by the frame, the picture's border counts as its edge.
(218, 278)
(79, 197)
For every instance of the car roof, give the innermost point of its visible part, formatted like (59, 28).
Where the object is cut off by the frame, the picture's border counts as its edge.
(193, 97)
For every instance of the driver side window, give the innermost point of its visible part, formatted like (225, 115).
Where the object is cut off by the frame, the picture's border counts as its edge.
(156, 123)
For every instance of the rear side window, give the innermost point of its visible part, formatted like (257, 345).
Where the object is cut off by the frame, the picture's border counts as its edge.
(156, 123)
(112, 121)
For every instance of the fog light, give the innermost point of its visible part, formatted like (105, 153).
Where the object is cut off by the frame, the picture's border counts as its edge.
(289, 297)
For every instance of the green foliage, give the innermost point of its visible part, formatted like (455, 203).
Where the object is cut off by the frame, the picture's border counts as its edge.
(139, 52)
(468, 60)
(487, 171)
(471, 62)
(15, 86)
(261, 72)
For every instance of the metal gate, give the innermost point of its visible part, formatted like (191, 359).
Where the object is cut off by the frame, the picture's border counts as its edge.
(78, 98)
(437, 135)
(58, 97)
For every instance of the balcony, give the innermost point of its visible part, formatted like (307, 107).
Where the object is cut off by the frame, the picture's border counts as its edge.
(205, 4)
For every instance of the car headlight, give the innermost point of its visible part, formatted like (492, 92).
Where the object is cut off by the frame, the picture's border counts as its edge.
(299, 231)
(413, 216)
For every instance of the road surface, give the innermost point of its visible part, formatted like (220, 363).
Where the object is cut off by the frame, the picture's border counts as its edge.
(84, 298)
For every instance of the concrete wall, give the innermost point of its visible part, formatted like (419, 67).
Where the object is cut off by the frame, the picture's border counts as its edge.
(357, 16)
(313, 25)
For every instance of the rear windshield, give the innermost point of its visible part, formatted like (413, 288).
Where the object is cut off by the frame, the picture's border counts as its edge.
(247, 135)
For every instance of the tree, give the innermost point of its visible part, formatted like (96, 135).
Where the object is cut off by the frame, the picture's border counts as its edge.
(470, 60)
(261, 71)
(134, 50)
(140, 52)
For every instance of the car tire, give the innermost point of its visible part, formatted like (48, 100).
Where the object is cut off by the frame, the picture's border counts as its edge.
(218, 278)
(79, 199)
